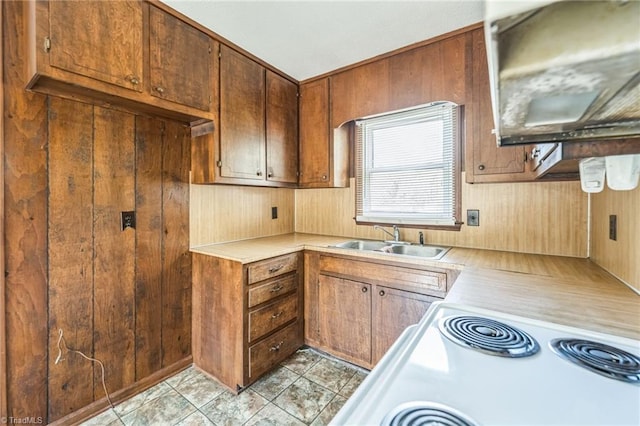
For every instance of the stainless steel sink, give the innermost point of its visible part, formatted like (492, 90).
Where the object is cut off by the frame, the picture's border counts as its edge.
(425, 251)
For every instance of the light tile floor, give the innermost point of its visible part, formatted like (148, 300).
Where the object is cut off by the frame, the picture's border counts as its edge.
(306, 389)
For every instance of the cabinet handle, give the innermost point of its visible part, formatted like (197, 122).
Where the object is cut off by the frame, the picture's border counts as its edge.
(276, 288)
(481, 167)
(133, 79)
(276, 348)
(364, 289)
(159, 89)
(277, 314)
(275, 268)
(381, 293)
(535, 153)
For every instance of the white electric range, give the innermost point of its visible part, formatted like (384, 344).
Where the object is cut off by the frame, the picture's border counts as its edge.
(511, 371)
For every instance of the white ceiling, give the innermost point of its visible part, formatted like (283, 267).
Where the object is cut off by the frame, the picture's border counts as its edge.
(308, 38)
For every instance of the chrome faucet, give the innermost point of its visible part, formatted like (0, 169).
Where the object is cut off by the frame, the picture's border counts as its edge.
(395, 235)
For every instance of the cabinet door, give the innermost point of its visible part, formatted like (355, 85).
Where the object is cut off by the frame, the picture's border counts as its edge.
(180, 61)
(282, 129)
(344, 314)
(98, 39)
(486, 161)
(395, 310)
(242, 111)
(315, 141)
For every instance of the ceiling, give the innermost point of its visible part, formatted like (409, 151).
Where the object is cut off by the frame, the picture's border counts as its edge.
(307, 38)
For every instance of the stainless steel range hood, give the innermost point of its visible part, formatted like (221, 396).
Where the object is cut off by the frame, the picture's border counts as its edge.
(564, 70)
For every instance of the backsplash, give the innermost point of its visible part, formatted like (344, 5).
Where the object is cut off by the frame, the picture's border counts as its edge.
(542, 217)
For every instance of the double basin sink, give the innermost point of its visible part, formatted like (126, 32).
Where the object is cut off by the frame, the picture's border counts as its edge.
(393, 247)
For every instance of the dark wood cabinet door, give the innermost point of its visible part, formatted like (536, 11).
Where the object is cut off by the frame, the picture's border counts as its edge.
(315, 140)
(102, 40)
(282, 129)
(181, 61)
(344, 315)
(488, 162)
(242, 112)
(395, 310)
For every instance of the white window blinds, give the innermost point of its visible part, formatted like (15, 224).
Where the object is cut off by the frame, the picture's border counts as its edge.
(406, 166)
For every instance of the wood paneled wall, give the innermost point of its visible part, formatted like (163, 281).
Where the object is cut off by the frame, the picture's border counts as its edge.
(619, 257)
(123, 297)
(221, 213)
(543, 218)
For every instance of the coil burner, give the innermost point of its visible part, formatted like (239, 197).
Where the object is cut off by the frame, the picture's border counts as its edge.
(425, 414)
(488, 336)
(603, 359)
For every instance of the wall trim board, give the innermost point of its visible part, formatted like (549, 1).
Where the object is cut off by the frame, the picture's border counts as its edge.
(3, 337)
(102, 404)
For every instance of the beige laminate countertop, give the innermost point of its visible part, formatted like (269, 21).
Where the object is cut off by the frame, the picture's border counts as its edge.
(569, 291)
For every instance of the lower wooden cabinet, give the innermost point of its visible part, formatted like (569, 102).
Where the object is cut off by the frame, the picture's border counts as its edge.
(246, 318)
(355, 309)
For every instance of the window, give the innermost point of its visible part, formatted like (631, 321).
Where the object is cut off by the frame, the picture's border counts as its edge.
(407, 171)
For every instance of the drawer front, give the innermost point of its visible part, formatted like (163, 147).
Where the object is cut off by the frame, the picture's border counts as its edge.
(418, 280)
(267, 291)
(272, 267)
(272, 316)
(274, 349)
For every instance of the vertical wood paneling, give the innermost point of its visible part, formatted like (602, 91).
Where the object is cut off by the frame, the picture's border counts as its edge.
(70, 253)
(114, 295)
(25, 215)
(3, 339)
(619, 257)
(148, 246)
(176, 263)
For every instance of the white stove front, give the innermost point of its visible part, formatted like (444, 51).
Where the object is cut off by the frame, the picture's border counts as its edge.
(542, 389)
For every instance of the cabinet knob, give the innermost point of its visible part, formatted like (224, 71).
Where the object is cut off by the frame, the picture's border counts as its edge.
(481, 167)
(259, 173)
(159, 89)
(324, 177)
(364, 289)
(381, 293)
(133, 79)
(270, 175)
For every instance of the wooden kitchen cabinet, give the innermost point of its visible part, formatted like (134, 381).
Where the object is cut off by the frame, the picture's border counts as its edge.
(126, 53)
(324, 159)
(246, 318)
(485, 160)
(181, 64)
(356, 308)
(344, 316)
(282, 129)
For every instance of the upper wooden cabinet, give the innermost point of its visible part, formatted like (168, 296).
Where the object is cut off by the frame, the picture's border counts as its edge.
(324, 155)
(242, 115)
(282, 129)
(126, 53)
(485, 160)
(181, 64)
(256, 141)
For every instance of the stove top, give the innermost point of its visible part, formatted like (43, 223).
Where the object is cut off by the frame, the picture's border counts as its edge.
(519, 379)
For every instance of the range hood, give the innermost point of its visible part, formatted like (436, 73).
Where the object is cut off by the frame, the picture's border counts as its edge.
(564, 70)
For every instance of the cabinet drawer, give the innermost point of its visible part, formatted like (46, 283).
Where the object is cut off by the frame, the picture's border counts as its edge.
(272, 267)
(272, 289)
(269, 352)
(405, 278)
(270, 317)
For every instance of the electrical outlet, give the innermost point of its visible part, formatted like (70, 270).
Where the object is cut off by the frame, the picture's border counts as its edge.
(473, 217)
(128, 220)
(274, 212)
(613, 227)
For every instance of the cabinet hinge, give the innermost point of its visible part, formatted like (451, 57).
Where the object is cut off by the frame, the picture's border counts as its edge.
(47, 44)
(219, 163)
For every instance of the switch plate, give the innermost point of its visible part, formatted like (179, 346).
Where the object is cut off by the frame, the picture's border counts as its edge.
(274, 212)
(613, 227)
(473, 217)
(128, 220)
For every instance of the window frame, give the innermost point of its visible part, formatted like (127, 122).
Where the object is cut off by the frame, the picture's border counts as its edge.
(456, 182)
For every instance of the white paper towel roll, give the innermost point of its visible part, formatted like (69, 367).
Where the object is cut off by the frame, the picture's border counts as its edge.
(623, 171)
